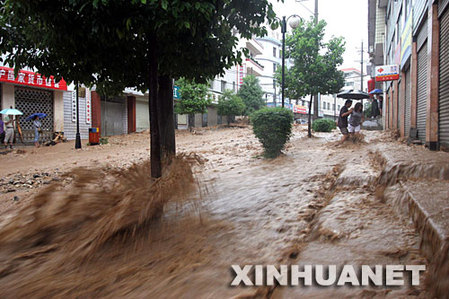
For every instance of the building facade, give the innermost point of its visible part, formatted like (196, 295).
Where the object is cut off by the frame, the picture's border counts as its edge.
(31, 93)
(416, 40)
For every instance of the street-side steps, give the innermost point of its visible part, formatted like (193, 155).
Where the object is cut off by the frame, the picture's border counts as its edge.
(420, 191)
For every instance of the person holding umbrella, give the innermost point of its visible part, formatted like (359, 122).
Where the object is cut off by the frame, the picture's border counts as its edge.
(342, 123)
(37, 130)
(376, 108)
(9, 132)
(37, 125)
(9, 125)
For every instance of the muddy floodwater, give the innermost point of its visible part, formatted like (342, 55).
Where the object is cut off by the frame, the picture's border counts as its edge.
(106, 230)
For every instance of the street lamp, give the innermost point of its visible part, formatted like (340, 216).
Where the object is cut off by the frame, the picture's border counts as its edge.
(293, 24)
(78, 136)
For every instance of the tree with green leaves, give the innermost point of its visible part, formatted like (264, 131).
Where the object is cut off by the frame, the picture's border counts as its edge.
(252, 94)
(131, 43)
(315, 63)
(230, 104)
(194, 98)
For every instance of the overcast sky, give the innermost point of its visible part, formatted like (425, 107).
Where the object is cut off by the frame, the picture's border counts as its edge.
(347, 18)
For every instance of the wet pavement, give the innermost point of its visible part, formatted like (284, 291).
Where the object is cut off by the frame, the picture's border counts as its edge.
(316, 204)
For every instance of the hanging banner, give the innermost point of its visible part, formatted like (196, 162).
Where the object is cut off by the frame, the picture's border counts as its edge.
(406, 41)
(88, 107)
(73, 106)
(30, 79)
(387, 72)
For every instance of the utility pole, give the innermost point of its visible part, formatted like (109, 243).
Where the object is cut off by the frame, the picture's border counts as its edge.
(284, 29)
(315, 96)
(361, 71)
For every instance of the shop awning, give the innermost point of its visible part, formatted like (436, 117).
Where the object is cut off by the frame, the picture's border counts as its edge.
(31, 79)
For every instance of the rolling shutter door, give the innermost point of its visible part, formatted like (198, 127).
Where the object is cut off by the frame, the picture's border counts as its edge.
(31, 101)
(443, 102)
(112, 118)
(422, 82)
(422, 93)
(400, 106)
(142, 116)
(408, 96)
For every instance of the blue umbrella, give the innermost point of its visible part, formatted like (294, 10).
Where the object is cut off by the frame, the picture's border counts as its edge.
(40, 115)
(376, 91)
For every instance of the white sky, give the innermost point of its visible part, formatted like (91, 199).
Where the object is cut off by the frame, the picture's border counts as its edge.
(347, 18)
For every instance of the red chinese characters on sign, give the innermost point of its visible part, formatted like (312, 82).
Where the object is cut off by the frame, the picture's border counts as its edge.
(387, 73)
(30, 79)
(88, 107)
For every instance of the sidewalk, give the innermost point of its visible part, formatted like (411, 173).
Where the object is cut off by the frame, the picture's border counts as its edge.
(419, 181)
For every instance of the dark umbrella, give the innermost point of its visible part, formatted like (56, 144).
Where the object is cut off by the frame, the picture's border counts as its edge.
(40, 115)
(376, 91)
(351, 94)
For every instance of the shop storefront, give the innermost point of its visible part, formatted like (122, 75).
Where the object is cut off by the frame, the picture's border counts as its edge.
(443, 101)
(31, 93)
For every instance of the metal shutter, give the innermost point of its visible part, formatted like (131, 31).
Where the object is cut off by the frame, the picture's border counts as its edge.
(400, 106)
(422, 93)
(31, 101)
(142, 116)
(408, 96)
(112, 122)
(441, 6)
(443, 103)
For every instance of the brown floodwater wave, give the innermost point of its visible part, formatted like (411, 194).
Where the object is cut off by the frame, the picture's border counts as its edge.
(96, 207)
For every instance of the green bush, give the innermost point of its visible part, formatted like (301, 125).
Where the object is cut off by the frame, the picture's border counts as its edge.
(324, 125)
(273, 128)
(230, 104)
(367, 111)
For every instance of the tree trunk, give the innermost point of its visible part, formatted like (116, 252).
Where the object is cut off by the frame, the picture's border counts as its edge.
(309, 125)
(166, 118)
(155, 152)
(228, 119)
(316, 107)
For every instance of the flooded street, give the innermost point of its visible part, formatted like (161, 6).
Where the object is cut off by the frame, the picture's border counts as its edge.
(95, 234)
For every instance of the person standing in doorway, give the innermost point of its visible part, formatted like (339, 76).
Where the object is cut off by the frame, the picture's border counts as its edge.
(9, 131)
(342, 123)
(37, 130)
(2, 130)
(380, 101)
(375, 112)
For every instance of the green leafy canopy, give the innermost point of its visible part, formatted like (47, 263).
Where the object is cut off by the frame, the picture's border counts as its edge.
(252, 94)
(194, 97)
(106, 42)
(315, 62)
(230, 104)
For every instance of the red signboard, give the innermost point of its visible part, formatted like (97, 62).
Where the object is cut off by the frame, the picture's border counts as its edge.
(387, 73)
(299, 109)
(30, 79)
